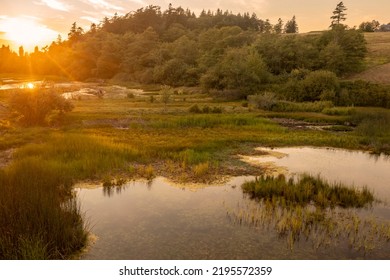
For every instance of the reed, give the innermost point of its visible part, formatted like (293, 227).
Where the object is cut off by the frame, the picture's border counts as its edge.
(307, 190)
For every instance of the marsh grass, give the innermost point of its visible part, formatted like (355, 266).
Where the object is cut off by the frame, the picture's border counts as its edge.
(307, 190)
(330, 228)
(313, 209)
(39, 219)
(200, 170)
(374, 128)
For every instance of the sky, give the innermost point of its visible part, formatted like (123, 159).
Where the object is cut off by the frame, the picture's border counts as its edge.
(38, 22)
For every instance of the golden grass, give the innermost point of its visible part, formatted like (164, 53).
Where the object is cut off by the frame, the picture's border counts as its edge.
(378, 58)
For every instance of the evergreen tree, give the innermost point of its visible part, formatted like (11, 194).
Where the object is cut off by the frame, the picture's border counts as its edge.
(21, 51)
(278, 28)
(338, 15)
(291, 26)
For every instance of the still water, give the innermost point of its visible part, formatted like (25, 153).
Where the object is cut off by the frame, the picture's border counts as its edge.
(162, 220)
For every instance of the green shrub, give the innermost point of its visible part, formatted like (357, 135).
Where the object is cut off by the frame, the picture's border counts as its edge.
(34, 105)
(265, 101)
(319, 85)
(363, 93)
(195, 109)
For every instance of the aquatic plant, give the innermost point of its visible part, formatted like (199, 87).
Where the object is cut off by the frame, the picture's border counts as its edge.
(311, 207)
(307, 190)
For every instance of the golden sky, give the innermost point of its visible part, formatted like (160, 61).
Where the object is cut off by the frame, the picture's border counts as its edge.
(38, 22)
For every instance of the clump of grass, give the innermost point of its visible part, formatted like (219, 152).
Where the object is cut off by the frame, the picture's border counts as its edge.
(108, 182)
(202, 169)
(205, 110)
(147, 172)
(307, 190)
(132, 171)
(339, 111)
(293, 219)
(191, 157)
(374, 128)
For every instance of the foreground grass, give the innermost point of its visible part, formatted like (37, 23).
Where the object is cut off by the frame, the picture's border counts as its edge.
(38, 217)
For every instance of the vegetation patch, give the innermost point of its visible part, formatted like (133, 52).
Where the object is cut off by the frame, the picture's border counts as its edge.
(310, 208)
(307, 190)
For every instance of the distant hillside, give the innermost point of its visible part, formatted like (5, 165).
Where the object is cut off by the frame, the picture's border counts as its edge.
(378, 58)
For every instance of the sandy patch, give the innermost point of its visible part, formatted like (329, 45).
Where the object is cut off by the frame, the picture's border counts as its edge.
(265, 162)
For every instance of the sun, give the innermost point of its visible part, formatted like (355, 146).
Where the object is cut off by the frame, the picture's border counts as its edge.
(27, 32)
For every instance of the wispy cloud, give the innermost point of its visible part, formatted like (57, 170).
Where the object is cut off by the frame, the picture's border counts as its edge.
(141, 2)
(56, 5)
(105, 4)
(91, 19)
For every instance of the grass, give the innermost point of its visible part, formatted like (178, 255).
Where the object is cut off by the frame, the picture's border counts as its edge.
(39, 217)
(311, 208)
(378, 44)
(377, 59)
(307, 190)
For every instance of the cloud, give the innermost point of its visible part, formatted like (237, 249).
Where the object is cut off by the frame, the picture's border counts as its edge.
(56, 5)
(91, 19)
(105, 4)
(141, 2)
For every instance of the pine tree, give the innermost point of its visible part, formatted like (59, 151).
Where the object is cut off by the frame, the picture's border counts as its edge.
(338, 15)
(291, 26)
(278, 28)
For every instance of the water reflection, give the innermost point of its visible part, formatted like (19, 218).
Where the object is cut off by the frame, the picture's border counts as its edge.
(336, 165)
(161, 220)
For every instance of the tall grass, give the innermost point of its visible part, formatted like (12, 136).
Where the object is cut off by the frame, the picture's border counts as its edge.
(39, 219)
(310, 207)
(374, 128)
(212, 121)
(307, 190)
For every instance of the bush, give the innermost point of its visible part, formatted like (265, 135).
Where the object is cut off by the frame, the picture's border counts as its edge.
(195, 109)
(265, 100)
(319, 85)
(363, 93)
(34, 106)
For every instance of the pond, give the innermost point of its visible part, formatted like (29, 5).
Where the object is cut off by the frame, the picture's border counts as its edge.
(163, 220)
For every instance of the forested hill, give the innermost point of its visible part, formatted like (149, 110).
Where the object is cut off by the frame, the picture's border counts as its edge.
(218, 50)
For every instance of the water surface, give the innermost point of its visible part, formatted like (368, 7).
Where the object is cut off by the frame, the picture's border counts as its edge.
(162, 220)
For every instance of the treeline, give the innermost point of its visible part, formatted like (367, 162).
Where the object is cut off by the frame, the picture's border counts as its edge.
(230, 53)
(135, 42)
(374, 26)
